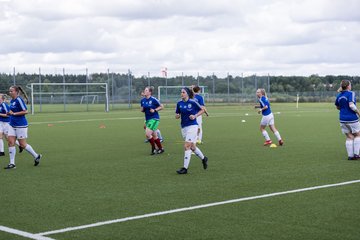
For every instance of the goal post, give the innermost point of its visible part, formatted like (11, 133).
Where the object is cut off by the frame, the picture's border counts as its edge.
(93, 98)
(69, 93)
(173, 92)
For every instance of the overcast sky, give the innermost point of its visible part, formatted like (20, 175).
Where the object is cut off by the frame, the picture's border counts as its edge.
(285, 37)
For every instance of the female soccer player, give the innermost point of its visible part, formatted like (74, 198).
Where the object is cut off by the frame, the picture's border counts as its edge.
(267, 119)
(4, 123)
(150, 106)
(200, 100)
(18, 126)
(349, 119)
(189, 110)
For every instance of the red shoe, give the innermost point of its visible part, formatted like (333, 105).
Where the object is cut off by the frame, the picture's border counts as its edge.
(266, 143)
(281, 142)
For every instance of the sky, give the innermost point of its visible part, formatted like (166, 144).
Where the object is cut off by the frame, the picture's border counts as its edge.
(275, 37)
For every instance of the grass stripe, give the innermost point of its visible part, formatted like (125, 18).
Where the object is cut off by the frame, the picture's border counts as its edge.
(196, 207)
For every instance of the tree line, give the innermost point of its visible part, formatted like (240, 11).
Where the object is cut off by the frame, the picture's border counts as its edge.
(214, 84)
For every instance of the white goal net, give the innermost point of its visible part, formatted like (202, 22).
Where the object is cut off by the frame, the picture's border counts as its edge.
(69, 97)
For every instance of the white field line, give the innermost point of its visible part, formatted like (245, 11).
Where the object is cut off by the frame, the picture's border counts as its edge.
(24, 234)
(216, 115)
(86, 120)
(195, 207)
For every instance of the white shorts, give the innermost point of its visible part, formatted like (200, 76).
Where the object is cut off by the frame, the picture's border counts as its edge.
(19, 133)
(267, 120)
(4, 127)
(189, 133)
(350, 127)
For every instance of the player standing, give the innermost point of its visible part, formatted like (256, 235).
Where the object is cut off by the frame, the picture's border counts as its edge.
(267, 119)
(19, 126)
(349, 119)
(189, 110)
(150, 106)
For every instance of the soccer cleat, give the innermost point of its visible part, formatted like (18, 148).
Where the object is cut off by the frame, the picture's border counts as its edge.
(21, 149)
(281, 142)
(10, 166)
(37, 160)
(204, 162)
(182, 171)
(153, 151)
(146, 140)
(355, 157)
(161, 140)
(267, 143)
(160, 151)
(2, 154)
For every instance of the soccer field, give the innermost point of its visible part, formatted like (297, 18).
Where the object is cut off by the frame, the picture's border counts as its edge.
(97, 180)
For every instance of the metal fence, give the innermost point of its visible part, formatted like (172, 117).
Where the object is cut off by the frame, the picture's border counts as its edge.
(124, 89)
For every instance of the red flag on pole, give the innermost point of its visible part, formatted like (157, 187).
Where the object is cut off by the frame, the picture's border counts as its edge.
(164, 72)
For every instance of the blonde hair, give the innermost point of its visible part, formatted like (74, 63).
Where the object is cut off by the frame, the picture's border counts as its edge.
(263, 92)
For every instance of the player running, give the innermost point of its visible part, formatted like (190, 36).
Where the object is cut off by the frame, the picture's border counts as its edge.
(19, 126)
(150, 106)
(200, 100)
(267, 119)
(189, 110)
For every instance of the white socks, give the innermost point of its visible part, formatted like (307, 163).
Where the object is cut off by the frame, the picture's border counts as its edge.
(266, 135)
(1, 145)
(158, 133)
(357, 145)
(200, 133)
(187, 157)
(277, 134)
(350, 147)
(12, 152)
(199, 153)
(30, 150)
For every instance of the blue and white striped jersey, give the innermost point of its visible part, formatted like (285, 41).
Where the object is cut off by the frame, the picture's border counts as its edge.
(199, 99)
(347, 115)
(264, 101)
(150, 103)
(185, 109)
(4, 109)
(18, 105)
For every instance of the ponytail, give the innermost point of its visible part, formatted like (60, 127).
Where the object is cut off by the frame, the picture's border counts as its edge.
(20, 90)
(343, 85)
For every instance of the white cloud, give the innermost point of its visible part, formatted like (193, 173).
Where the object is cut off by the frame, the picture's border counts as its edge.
(278, 37)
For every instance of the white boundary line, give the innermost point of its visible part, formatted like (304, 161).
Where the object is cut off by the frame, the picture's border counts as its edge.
(195, 207)
(24, 234)
(166, 116)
